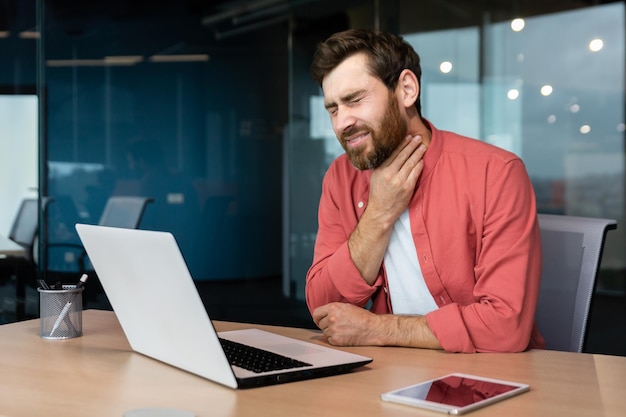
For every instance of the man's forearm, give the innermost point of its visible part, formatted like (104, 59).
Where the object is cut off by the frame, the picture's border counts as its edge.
(344, 324)
(368, 244)
(407, 331)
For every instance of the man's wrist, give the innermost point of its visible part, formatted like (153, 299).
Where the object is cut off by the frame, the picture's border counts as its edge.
(406, 331)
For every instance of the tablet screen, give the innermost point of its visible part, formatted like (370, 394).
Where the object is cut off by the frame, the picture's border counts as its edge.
(455, 393)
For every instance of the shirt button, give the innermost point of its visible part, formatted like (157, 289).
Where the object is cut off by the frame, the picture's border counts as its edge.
(361, 204)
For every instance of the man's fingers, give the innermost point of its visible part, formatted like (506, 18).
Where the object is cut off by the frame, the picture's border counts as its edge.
(415, 159)
(319, 314)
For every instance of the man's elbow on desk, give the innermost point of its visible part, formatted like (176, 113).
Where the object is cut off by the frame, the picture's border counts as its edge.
(459, 334)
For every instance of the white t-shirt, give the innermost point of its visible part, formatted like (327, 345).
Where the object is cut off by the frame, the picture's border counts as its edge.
(408, 291)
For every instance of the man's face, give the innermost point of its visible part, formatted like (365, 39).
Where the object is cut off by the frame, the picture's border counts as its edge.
(385, 137)
(365, 115)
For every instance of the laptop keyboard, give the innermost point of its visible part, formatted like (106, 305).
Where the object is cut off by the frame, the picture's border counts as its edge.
(257, 360)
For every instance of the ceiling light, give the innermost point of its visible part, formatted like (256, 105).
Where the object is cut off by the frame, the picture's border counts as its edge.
(180, 58)
(596, 45)
(106, 62)
(445, 67)
(517, 24)
(123, 59)
(546, 90)
(29, 34)
(75, 62)
(513, 94)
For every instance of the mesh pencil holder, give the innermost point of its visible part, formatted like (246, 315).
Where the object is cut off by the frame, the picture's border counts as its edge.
(61, 312)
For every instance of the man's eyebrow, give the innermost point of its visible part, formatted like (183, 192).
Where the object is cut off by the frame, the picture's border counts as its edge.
(346, 98)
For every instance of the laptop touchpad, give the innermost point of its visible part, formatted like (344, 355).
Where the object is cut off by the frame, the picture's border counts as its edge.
(295, 349)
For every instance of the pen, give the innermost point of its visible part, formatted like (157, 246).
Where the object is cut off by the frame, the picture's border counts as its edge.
(44, 285)
(66, 308)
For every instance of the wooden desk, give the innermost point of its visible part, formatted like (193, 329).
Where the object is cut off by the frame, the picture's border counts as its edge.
(97, 375)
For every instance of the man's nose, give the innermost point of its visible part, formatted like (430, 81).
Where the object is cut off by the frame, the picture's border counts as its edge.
(344, 120)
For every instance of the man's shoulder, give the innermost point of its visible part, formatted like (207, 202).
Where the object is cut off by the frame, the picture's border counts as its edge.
(460, 145)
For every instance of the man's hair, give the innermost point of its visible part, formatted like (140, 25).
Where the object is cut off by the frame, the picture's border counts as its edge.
(387, 56)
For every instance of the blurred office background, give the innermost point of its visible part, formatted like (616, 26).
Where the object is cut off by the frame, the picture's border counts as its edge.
(208, 107)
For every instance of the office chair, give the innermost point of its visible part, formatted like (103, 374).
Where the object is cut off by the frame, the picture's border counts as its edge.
(119, 211)
(124, 211)
(571, 252)
(24, 227)
(23, 232)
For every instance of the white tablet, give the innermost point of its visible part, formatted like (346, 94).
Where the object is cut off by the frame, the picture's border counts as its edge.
(455, 393)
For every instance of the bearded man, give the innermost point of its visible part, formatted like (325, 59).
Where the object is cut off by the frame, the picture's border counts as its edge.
(426, 238)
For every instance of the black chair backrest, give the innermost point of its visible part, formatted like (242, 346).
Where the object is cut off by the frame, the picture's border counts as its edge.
(25, 224)
(122, 211)
(571, 251)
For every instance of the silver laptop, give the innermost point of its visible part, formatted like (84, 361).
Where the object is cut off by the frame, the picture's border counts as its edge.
(148, 284)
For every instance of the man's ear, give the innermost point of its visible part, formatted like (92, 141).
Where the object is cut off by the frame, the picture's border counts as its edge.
(408, 88)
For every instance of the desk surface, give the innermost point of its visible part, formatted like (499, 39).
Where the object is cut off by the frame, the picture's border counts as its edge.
(98, 375)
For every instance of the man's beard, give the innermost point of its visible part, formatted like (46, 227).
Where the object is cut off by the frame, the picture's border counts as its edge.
(385, 139)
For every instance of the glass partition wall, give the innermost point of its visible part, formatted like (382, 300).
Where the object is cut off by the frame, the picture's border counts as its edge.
(18, 109)
(209, 108)
(163, 100)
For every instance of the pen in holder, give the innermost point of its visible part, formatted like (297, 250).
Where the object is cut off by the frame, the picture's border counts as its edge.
(61, 312)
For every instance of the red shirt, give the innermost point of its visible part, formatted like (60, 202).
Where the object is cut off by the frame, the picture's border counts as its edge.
(474, 224)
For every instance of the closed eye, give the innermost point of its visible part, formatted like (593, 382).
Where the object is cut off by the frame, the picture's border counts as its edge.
(349, 100)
